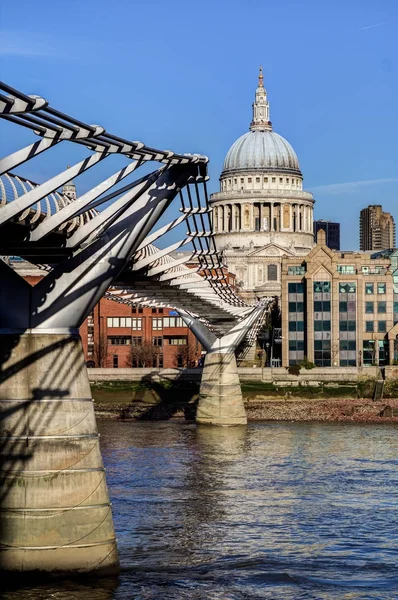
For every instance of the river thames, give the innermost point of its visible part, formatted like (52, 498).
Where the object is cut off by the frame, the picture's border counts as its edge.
(274, 510)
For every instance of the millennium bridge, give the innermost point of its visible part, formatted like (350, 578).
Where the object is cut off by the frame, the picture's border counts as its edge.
(118, 240)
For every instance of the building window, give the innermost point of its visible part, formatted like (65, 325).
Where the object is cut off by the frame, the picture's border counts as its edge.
(299, 270)
(265, 179)
(235, 181)
(257, 179)
(369, 308)
(126, 322)
(154, 311)
(369, 326)
(296, 307)
(140, 311)
(322, 353)
(322, 287)
(296, 324)
(177, 341)
(287, 179)
(242, 180)
(136, 340)
(173, 322)
(115, 361)
(119, 340)
(369, 352)
(157, 323)
(382, 308)
(272, 273)
(157, 341)
(347, 324)
(321, 305)
(273, 179)
(249, 180)
(296, 288)
(134, 310)
(348, 345)
(369, 288)
(350, 269)
(321, 325)
(347, 288)
(381, 288)
(382, 326)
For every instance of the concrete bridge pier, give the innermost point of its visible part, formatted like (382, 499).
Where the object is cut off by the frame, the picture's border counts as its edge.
(220, 398)
(56, 515)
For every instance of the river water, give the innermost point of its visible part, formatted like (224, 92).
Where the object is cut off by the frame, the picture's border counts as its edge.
(274, 511)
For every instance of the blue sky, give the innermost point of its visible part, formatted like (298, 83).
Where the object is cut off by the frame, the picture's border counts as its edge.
(182, 75)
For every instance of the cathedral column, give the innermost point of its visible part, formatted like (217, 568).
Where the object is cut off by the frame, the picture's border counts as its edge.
(251, 217)
(221, 219)
(271, 228)
(291, 216)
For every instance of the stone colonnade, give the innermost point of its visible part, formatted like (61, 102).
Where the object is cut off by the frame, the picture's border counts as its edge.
(262, 216)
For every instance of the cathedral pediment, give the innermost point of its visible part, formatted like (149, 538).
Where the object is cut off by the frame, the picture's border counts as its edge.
(270, 251)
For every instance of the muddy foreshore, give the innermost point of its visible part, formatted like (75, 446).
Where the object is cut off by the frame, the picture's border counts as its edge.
(162, 403)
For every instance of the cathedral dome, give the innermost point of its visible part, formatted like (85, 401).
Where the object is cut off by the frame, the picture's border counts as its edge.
(262, 150)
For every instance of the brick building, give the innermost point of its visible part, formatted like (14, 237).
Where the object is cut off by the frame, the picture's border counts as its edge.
(117, 335)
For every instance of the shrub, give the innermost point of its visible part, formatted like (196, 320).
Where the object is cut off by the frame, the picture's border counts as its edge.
(365, 387)
(294, 370)
(391, 388)
(306, 364)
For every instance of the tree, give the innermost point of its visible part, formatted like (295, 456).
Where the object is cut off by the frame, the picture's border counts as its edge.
(142, 355)
(101, 351)
(334, 353)
(185, 355)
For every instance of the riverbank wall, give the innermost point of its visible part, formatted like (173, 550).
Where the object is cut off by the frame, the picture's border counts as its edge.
(277, 376)
(150, 394)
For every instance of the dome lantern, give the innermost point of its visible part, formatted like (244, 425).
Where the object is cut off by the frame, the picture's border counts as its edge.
(261, 120)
